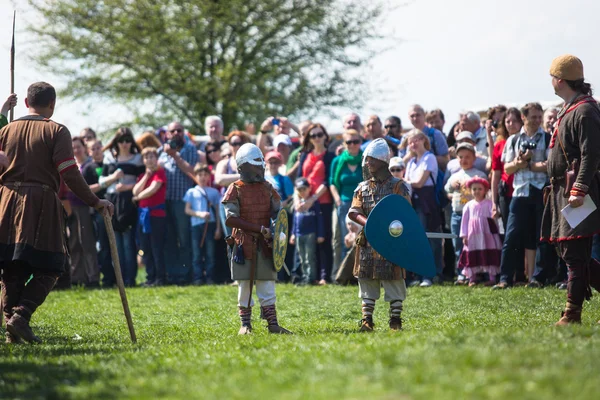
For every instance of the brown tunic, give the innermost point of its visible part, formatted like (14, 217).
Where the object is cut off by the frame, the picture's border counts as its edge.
(32, 226)
(579, 132)
(370, 264)
(255, 203)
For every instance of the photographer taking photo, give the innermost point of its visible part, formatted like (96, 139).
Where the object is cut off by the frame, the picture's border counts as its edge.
(525, 155)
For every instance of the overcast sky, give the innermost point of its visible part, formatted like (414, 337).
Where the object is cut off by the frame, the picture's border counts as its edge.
(455, 55)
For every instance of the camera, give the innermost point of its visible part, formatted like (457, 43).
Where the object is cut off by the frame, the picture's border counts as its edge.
(275, 121)
(526, 145)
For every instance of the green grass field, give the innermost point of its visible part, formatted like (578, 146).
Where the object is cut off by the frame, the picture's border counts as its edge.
(457, 343)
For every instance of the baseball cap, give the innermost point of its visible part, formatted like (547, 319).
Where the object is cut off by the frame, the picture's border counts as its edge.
(282, 139)
(396, 162)
(301, 183)
(467, 146)
(465, 135)
(273, 154)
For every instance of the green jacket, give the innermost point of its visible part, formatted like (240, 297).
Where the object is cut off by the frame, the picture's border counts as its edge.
(3, 121)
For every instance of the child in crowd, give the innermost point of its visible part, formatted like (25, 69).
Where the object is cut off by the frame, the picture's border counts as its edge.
(201, 204)
(308, 229)
(150, 191)
(460, 195)
(482, 244)
(397, 168)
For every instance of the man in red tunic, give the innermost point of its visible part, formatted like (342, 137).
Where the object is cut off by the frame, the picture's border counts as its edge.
(573, 169)
(32, 224)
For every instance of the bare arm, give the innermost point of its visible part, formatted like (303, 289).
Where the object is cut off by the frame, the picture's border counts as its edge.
(149, 191)
(139, 187)
(418, 184)
(221, 177)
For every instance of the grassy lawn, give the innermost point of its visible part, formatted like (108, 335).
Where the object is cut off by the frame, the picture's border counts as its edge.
(457, 343)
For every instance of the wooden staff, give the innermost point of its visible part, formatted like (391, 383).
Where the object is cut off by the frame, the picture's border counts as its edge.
(12, 66)
(117, 266)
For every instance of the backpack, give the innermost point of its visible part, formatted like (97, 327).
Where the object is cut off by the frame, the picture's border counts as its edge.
(441, 197)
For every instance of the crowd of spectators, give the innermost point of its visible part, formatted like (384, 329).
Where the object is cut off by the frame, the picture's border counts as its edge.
(481, 180)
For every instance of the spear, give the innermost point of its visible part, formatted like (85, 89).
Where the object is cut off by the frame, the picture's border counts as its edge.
(12, 65)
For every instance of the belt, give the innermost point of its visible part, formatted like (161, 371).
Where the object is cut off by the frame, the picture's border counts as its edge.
(18, 184)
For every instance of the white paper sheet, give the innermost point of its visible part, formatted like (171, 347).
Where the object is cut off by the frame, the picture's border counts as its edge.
(575, 216)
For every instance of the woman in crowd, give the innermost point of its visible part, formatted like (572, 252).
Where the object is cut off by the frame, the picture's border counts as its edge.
(315, 165)
(420, 172)
(213, 157)
(119, 177)
(82, 240)
(344, 177)
(501, 185)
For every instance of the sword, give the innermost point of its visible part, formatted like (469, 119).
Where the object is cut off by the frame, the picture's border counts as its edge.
(439, 235)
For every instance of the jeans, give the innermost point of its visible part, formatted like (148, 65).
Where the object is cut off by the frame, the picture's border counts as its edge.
(342, 212)
(178, 245)
(455, 221)
(153, 246)
(127, 255)
(436, 246)
(203, 257)
(307, 250)
(522, 232)
(104, 257)
(325, 248)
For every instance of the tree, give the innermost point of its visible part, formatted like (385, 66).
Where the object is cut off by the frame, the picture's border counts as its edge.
(186, 59)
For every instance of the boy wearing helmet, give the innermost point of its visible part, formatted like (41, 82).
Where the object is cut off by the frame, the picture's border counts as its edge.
(250, 203)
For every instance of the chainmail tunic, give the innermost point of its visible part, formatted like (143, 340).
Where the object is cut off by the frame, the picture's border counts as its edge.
(369, 264)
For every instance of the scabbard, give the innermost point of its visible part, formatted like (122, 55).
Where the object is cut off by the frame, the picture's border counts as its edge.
(253, 268)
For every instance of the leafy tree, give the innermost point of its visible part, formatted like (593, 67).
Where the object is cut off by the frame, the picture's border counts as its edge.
(186, 59)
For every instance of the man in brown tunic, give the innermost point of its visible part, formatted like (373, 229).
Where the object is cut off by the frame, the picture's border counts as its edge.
(32, 225)
(576, 138)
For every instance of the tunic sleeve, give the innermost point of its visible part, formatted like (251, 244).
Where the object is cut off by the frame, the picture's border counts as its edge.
(65, 164)
(589, 146)
(357, 201)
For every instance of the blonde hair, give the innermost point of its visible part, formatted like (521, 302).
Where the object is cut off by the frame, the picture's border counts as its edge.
(416, 134)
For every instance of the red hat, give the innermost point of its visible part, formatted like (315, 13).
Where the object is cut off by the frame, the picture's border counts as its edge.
(479, 180)
(274, 154)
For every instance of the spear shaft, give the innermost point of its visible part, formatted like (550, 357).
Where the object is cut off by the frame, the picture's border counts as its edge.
(12, 65)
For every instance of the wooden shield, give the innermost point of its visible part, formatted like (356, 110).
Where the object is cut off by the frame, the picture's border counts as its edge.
(280, 239)
(393, 229)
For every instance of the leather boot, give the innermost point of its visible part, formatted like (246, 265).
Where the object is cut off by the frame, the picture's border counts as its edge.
(19, 327)
(396, 323)
(245, 318)
(366, 324)
(571, 315)
(12, 339)
(270, 314)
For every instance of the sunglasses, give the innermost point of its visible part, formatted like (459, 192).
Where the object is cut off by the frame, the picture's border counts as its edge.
(396, 169)
(235, 144)
(176, 130)
(390, 126)
(317, 135)
(125, 140)
(209, 152)
(355, 141)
